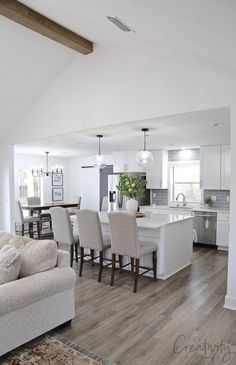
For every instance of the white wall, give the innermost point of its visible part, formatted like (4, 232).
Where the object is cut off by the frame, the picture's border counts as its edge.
(85, 182)
(27, 161)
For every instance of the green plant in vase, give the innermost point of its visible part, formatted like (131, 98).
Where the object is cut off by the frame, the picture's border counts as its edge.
(208, 201)
(132, 186)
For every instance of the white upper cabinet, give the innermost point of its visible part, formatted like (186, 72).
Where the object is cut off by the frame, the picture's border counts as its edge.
(215, 167)
(125, 162)
(157, 173)
(210, 167)
(225, 167)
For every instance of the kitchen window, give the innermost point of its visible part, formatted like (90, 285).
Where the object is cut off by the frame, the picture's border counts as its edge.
(184, 177)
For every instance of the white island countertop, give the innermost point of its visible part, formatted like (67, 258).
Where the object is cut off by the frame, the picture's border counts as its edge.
(152, 221)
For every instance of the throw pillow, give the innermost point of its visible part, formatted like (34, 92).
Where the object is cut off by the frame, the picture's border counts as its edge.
(10, 263)
(38, 256)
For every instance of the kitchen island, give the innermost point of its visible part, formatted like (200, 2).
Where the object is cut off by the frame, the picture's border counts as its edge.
(173, 236)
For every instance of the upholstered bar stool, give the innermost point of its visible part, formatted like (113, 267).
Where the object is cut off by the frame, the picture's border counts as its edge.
(125, 242)
(91, 237)
(62, 231)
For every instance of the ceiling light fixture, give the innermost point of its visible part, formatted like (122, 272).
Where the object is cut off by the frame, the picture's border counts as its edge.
(39, 172)
(99, 158)
(144, 157)
(120, 24)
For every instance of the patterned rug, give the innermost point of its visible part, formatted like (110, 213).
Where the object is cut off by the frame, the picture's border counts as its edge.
(52, 349)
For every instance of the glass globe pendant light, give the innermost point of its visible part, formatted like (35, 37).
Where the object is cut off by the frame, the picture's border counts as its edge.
(99, 158)
(144, 157)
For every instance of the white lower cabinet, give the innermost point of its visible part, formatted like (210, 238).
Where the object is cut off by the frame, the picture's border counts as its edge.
(223, 227)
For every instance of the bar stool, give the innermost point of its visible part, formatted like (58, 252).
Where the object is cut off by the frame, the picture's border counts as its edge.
(62, 231)
(125, 242)
(91, 237)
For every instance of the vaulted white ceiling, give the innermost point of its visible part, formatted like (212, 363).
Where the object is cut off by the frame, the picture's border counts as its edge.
(29, 63)
(197, 32)
(200, 32)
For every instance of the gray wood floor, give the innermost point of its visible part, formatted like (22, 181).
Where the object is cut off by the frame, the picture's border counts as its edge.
(153, 326)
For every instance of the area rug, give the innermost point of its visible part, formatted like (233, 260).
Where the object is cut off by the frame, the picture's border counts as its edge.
(52, 349)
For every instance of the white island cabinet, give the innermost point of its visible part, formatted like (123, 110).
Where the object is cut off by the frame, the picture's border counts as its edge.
(172, 234)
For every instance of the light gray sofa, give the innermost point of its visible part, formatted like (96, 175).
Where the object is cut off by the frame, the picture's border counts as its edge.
(35, 304)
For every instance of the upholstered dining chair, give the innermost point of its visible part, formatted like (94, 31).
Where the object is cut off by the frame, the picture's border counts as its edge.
(62, 231)
(72, 210)
(125, 242)
(45, 217)
(22, 221)
(91, 237)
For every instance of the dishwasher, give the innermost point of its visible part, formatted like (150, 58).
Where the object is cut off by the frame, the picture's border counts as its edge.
(204, 227)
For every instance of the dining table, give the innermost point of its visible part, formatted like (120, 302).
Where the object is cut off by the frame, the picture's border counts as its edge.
(39, 207)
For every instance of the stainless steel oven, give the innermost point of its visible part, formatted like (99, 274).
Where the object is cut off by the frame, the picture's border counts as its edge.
(204, 227)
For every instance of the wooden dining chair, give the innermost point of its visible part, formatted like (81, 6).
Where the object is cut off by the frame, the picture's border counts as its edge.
(125, 242)
(63, 232)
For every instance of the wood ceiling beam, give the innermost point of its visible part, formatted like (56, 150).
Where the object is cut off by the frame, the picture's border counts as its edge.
(22, 14)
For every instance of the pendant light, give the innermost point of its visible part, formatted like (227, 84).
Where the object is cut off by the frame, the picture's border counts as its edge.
(144, 157)
(99, 158)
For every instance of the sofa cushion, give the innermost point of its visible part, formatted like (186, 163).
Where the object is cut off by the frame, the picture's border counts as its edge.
(38, 256)
(10, 264)
(5, 238)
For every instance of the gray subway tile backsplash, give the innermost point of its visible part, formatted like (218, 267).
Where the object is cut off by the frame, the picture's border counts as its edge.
(159, 196)
(222, 198)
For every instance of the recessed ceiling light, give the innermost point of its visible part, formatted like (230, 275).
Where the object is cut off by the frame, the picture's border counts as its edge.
(120, 24)
(218, 124)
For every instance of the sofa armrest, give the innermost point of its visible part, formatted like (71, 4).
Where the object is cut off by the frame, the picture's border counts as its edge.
(31, 289)
(63, 258)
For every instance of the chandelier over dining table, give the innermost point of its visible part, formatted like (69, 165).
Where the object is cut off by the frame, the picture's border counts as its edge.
(40, 172)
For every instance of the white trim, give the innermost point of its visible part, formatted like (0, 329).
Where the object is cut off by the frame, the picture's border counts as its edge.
(230, 302)
(164, 277)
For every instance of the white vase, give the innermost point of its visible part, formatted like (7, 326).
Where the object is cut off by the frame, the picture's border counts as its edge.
(132, 205)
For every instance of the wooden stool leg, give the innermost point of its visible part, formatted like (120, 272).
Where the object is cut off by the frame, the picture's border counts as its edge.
(76, 252)
(38, 229)
(100, 266)
(132, 264)
(136, 275)
(71, 254)
(81, 260)
(154, 261)
(92, 256)
(31, 234)
(113, 269)
(22, 229)
(120, 262)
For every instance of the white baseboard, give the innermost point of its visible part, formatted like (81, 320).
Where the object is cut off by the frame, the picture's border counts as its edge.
(230, 302)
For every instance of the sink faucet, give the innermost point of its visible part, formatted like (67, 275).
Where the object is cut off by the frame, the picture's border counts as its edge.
(184, 198)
